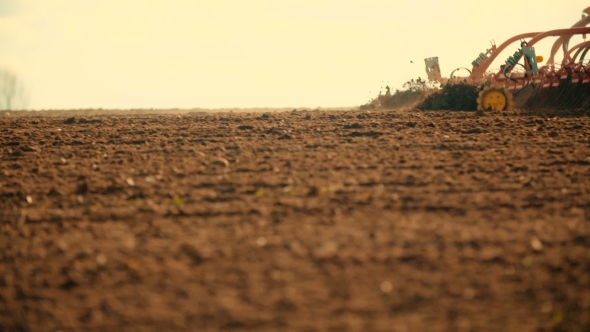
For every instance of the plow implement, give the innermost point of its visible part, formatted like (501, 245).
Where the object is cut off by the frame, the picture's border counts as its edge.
(521, 81)
(566, 85)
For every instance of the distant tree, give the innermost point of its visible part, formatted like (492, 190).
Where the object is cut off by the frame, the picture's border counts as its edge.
(12, 91)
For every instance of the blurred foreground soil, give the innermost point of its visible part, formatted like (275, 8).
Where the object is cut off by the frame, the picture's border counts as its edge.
(295, 221)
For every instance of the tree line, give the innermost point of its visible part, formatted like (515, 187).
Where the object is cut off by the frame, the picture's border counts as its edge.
(13, 95)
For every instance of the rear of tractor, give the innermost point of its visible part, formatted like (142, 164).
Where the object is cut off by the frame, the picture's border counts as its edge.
(521, 82)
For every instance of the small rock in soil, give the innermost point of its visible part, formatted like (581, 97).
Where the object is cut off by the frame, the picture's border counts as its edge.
(101, 259)
(220, 162)
(536, 244)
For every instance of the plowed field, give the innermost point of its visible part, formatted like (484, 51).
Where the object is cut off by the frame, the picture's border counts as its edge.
(295, 221)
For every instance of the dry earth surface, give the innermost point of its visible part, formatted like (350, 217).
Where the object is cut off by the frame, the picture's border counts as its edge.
(295, 221)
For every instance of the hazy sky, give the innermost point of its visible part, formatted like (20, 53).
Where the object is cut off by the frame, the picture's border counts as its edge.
(255, 53)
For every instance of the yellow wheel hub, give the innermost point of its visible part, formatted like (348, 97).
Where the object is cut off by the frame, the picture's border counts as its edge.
(494, 98)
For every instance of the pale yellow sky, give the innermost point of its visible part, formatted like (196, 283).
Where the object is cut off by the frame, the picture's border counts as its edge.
(255, 53)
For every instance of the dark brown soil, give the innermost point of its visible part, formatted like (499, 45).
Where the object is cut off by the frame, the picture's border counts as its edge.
(295, 221)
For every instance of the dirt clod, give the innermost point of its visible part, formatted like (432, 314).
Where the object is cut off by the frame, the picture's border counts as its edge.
(472, 131)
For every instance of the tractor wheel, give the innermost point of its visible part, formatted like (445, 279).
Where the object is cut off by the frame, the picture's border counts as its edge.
(494, 98)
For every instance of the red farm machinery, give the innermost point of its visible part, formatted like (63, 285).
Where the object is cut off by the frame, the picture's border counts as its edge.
(521, 82)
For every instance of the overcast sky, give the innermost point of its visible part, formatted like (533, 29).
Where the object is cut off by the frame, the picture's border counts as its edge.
(256, 53)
